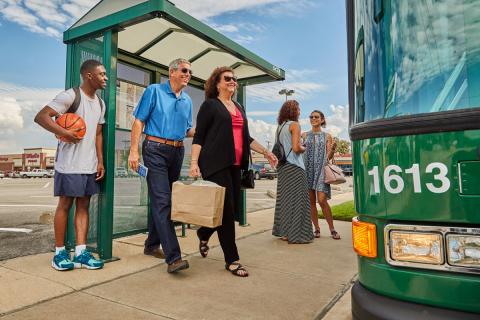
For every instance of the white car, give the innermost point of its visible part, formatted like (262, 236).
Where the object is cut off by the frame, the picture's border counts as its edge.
(2, 175)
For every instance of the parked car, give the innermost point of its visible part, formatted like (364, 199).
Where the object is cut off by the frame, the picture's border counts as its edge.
(121, 172)
(35, 173)
(263, 170)
(2, 175)
(347, 169)
(12, 174)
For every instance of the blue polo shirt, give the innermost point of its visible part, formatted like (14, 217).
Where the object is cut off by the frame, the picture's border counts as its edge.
(164, 115)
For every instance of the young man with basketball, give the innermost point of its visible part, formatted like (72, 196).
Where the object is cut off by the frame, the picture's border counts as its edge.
(78, 162)
(164, 114)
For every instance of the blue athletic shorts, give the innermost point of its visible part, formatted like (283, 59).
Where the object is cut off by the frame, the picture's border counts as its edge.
(75, 185)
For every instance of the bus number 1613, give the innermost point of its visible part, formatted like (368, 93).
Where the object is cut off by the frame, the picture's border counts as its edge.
(390, 175)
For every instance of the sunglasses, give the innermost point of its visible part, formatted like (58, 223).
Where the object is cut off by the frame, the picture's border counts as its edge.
(314, 117)
(186, 70)
(228, 78)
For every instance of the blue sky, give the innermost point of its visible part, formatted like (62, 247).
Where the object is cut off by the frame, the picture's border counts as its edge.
(306, 38)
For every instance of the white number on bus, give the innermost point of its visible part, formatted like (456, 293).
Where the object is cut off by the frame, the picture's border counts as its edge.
(394, 183)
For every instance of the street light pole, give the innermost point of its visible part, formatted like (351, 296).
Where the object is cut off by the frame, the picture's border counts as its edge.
(286, 92)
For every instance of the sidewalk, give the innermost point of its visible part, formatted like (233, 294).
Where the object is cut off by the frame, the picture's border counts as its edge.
(285, 282)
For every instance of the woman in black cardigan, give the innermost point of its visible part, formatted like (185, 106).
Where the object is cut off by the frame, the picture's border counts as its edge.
(221, 148)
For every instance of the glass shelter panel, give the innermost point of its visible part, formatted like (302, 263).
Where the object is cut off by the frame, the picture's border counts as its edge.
(417, 57)
(131, 193)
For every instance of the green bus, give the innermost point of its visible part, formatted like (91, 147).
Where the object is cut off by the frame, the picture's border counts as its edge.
(414, 96)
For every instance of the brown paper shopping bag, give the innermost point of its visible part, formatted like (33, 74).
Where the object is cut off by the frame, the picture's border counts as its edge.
(199, 203)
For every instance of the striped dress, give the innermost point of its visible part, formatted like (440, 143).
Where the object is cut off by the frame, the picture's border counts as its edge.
(292, 208)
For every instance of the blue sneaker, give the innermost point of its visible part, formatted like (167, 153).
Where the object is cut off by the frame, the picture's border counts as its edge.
(62, 262)
(87, 260)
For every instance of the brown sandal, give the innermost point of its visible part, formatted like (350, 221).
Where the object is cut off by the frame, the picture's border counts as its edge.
(335, 235)
(317, 233)
(237, 270)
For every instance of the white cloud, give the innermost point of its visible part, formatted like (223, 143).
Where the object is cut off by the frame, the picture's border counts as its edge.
(18, 107)
(297, 80)
(243, 39)
(10, 116)
(224, 28)
(261, 113)
(262, 131)
(210, 8)
(49, 18)
(337, 121)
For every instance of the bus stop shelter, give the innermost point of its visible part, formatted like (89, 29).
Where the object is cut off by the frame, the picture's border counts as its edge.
(136, 40)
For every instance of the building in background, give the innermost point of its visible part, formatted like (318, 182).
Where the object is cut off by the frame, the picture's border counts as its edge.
(31, 158)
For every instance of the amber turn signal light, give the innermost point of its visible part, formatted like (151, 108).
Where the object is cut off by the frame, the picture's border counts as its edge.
(364, 237)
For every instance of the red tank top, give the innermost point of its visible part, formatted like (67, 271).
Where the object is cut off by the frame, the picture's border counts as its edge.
(237, 124)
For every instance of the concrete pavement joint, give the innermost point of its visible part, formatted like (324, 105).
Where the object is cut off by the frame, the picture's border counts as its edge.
(128, 306)
(36, 304)
(335, 299)
(40, 277)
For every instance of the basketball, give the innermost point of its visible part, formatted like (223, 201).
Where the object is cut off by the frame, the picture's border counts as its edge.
(72, 122)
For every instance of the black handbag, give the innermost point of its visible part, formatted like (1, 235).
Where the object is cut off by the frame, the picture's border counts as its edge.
(247, 179)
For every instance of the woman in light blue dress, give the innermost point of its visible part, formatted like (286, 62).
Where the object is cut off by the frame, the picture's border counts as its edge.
(320, 148)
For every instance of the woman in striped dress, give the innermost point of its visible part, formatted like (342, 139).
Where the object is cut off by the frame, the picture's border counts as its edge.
(292, 209)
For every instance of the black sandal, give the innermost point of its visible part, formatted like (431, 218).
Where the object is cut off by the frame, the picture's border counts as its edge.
(203, 247)
(237, 270)
(317, 233)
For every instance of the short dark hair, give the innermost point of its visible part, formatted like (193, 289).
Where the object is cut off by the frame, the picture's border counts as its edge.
(288, 111)
(322, 117)
(89, 65)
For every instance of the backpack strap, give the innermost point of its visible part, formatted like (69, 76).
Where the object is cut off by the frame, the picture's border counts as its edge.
(102, 103)
(76, 102)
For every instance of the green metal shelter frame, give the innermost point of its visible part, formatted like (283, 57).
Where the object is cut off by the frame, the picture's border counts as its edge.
(147, 35)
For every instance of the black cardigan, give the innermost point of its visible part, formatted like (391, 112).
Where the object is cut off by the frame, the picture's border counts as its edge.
(214, 132)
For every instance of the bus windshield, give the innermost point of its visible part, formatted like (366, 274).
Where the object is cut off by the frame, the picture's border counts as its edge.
(421, 57)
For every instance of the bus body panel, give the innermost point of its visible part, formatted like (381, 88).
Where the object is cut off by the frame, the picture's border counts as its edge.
(422, 196)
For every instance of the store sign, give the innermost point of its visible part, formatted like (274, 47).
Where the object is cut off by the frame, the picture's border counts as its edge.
(3, 159)
(32, 159)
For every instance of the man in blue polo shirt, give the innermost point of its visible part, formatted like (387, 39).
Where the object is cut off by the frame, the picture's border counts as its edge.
(164, 114)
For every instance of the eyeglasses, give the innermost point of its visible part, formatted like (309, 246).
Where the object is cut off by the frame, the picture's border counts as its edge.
(228, 78)
(314, 117)
(185, 70)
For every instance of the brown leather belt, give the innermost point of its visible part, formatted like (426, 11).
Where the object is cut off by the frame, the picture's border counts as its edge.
(173, 143)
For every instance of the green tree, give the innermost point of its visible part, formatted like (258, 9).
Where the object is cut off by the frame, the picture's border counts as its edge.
(343, 146)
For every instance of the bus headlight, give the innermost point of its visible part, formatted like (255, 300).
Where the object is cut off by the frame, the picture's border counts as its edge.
(419, 247)
(463, 250)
